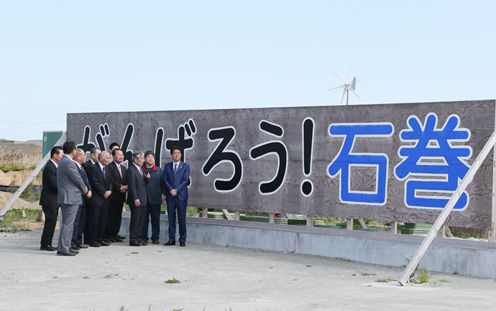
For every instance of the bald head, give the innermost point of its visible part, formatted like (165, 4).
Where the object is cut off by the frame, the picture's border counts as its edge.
(80, 156)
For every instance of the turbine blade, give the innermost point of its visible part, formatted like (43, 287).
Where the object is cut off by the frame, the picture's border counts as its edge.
(339, 78)
(353, 84)
(336, 87)
(355, 93)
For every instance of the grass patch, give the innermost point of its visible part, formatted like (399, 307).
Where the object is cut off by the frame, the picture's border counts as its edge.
(192, 211)
(422, 276)
(172, 281)
(8, 167)
(31, 193)
(17, 220)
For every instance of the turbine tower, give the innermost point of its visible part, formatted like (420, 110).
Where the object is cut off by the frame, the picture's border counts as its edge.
(348, 85)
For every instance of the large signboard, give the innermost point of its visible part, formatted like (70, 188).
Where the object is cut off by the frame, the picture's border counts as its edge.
(397, 162)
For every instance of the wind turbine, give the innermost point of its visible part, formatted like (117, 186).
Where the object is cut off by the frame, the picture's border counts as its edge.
(347, 86)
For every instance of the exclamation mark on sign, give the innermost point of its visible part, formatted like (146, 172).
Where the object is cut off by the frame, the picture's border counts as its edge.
(307, 128)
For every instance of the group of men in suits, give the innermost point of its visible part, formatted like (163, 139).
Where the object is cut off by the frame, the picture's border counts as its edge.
(91, 195)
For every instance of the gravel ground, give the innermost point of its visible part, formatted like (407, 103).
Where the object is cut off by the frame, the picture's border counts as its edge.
(121, 277)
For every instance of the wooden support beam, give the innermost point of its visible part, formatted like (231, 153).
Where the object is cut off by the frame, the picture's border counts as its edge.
(205, 213)
(309, 221)
(226, 213)
(447, 231)
(442, 232)
(237, 215)
(349, 224)
(272, 218)
(394, 227)
(362, 223)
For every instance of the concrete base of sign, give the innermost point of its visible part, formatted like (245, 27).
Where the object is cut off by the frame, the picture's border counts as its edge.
(454, 256)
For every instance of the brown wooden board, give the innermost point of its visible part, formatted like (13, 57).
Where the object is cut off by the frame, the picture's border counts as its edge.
(476, 116)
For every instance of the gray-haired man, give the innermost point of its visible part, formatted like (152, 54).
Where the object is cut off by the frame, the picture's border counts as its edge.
(70, 189)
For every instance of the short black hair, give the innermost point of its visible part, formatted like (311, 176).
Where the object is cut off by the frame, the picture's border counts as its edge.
(176, 148)
(68, 147)
(149, 153)
(115, 151)
(55, 150)
(112, 145)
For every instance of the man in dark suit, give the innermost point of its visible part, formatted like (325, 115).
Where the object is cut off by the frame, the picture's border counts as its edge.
(118, 180)
(98, 207)
(94, 154)
(137, 199)
(80, 222)
(87, 166)
(176, 177)
(48, 199)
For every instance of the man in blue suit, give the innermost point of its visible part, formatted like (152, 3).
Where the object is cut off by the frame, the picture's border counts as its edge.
(176, 178)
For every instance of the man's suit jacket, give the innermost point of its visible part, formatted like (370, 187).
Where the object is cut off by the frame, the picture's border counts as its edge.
(69, 182)
(86, 181)
(49, 186)
(178, 181)
(100, 184)
(85, 178)
(87, 166)
(116, 181)
(136, 185)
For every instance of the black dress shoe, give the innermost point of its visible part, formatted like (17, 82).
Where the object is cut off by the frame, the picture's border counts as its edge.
(75, 247)
(120, 237)
(182, 244)
(49, 248)
(83, 246)
(170, 242)
(155, 242)
(134, 243)
(95, 244)
(73, 250)
(144, 243)
(104, 243)
(65, 254)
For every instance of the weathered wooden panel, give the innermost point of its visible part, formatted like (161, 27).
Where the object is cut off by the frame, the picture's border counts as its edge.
(476, 116)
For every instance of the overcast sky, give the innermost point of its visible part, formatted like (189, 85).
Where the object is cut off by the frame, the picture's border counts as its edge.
(81, 56)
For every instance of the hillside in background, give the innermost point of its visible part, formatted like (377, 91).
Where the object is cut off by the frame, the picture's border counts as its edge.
(17, 159)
